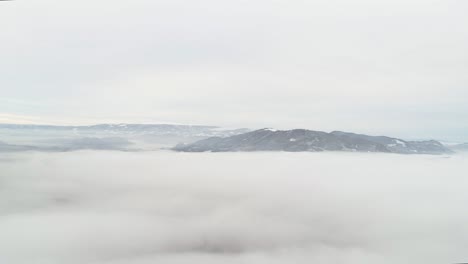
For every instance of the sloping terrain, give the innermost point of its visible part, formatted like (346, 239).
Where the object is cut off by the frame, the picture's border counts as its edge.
(307, 140)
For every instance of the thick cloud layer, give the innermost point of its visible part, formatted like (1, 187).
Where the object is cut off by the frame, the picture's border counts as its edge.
(165, 207)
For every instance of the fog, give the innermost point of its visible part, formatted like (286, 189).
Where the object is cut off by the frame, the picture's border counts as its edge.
(103, 207)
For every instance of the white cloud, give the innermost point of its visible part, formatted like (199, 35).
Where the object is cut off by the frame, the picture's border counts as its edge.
(313, 64)
(168, 207)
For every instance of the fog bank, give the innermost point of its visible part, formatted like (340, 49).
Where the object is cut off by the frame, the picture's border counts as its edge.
(101, 207)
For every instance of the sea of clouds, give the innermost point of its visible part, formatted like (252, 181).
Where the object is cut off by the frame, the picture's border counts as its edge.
(104, 207)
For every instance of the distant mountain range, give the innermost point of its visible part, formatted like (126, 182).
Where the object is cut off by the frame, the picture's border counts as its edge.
(125, 137)
(133, 137)
(134, 129)
(307, 140)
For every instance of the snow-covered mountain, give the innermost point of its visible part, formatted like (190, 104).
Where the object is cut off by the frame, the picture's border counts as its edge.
(200, 138)
(105, 136)
(308, 140)
(132, 129)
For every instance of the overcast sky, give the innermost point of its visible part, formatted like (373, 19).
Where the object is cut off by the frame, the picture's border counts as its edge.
(379, 67)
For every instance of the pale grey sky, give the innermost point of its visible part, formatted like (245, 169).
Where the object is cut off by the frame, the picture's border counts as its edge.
(381, 67)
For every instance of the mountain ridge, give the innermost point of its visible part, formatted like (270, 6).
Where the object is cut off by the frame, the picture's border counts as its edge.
(303, 140)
